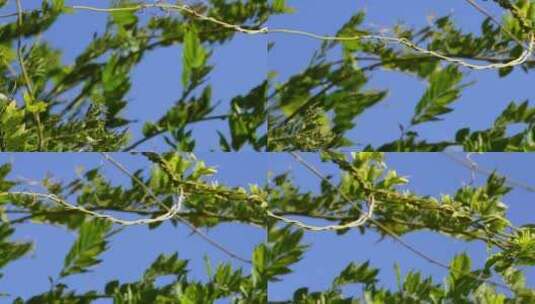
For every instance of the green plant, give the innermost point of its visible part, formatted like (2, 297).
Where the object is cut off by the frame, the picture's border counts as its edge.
(180, 189)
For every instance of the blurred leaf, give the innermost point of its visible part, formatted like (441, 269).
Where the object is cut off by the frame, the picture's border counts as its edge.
(357, 273)
(194, 55)
(11, 251)
(87, 247)
(443, 89)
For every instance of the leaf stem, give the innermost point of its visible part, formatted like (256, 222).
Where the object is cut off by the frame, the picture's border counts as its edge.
(27, 80)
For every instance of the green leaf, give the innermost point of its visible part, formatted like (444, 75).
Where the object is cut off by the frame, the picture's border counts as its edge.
(149, 129)
(13, 133)
(348, 105)
(504, 71)
(11, 250)
(290, 106)
(193, 56)
(166, 265)
(259, 265)
(247, 115)
(223, 142)
(87, 247)
(58, 4)
(283, 250)
(496, 137)
(113, 78)
(460, 278)
(416, 286)
(350, 29)
(357, 273)
(124, 18)
(36, 107)
(228, 279)
(443, 89)
(279, 5)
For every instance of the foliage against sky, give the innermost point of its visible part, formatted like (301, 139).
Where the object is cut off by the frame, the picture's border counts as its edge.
(319, 106)
(95, 206)
(52, 105)
(80, 105)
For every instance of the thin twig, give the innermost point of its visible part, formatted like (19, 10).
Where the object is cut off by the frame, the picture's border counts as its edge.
(146, 221)
(162, 131)
(407, 43)
(354, 223)
(265, 30)
(483, 11)
(179, 7)
(484, 171)
(31, 214)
